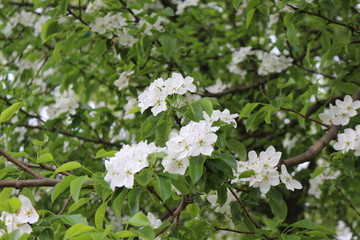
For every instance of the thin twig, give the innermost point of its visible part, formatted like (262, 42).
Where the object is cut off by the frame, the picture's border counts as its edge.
(347, 200)
(305, 117)
(233, 230)
(33, 165)
(352, 28)
(21, 165)
(66, 205)
(152, 190)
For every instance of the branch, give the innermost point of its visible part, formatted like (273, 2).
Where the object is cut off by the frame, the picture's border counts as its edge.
(66, 133)
(21, 165)
(137, 19)
(66, 205)
(315, 149)
(238, 89)
(151, 190)
(233, 230)
(182, 205)
(347, 200)
(305, 117)
(77, 17)
(45, 182)
(329, 20)
(33, 165)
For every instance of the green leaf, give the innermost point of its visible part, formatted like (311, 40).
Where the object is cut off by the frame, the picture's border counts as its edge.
(345, 87)
(252, 4)
(47, 157)
(249, 16)
(125, 234)
(61, 187)
(228, 159)
(168, 12)
(290, 237)
(304, 223)
(78, 204)
(246, 111)
(196, 168)
(246, 174)
(349, 164)
(236, 3)
(62, 7)
(318, 171)
(145, 232)
(138, 220)
(207, 105)
(78, 229)
(291, 34)
(144, 177)
(168, 44)
(74, 219)
(165, 187)
(102, 153)
(118, 203)
(10, 205)
(238, 148)
(135, 110)
(163, 129)
(99, 215)
(68, 166)
(75, 187)
(48, 29)
(10, 111)
(277, 204)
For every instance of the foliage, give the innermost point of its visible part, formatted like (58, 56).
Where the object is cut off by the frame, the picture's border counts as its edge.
(115, 114)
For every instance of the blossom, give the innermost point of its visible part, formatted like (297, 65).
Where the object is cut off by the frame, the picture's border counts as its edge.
(219, 86)
(240, 55)
(123, 80)
(173, 164)
(64, 102)
(27, 212)
(289, 182)
(130, 160)
(271, 63)
(155, 223)
(346, 141)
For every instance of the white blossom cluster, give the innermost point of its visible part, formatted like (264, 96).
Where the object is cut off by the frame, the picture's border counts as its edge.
(21, 219)
(341, 113)
(219, 86)
(271, 63)
(265, 171)
(237, 57)
(127, 162)
(131, 103)
(316, 182)
(158, 25)
(180, 8)
(95, 6)
(123, 80)
(154, 96)
(194, 139)
(349, 140)
(28, 19)
(64, 102)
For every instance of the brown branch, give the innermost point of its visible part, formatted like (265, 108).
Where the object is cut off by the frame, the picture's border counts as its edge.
(244, 209)
(242, 189)
(66, 205)
(33, 165)
(182, 205)
(66, 133)
(77, 17)
(329, 20)
(137, 19)
(237, 89)
(305, 117)
(347, 200)
(233, 230)
(152, 190)
(45, 182)
(315, 149)
(21, 165)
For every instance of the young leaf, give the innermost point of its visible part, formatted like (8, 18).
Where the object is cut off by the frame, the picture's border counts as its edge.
(99, 215)
(61, 186)
(139, 219)
(9, 112)
(75, 187)
(68, 166)
(196, 168)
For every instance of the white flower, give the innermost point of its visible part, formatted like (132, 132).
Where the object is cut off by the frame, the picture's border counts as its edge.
(346, 141)
(123, 80)
(187, 3)
(219, 86)
(124, 39)
(270, 158)
(241, 54)
(272, 63)
(155, 223)
(289, 182)
(101, 25)
(228, 118)
(179, 85)
(27, 213)
(64, 102)
(173, 164)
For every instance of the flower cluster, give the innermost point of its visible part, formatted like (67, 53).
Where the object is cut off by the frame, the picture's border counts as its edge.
(154, 96)
(341, 113)
(349, 140)
(317, 181)
(265, 173)
(192, 140)
(180, 8)
(64, 102)
(271, 63)
(123, 80)
(237, 57)
(219, 86)
(127, 162)
(20, 220)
